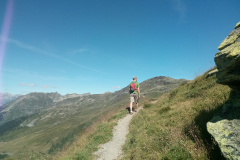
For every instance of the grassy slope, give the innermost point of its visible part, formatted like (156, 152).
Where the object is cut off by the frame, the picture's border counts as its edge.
(99, 133)
(172, 126)
(88, 143)
(175, 126)
(55, 130)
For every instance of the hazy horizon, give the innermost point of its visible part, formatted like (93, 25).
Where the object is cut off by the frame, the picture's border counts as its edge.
(98, 46)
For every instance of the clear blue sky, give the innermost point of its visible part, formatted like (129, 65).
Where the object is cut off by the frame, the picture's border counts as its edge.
(79, 46)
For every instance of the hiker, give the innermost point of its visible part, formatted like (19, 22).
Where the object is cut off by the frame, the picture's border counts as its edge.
(134, 90)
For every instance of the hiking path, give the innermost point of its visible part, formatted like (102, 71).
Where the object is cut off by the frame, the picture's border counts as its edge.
(112, 150)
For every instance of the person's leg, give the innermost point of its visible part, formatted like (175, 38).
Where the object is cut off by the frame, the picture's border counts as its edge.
(136, 107)
(136, 101)
(130, 106)
(131, 102)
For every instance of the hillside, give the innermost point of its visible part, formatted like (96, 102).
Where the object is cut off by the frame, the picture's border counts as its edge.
(6, 98)
(170, 126)
(174, 127)
(46, 122)
(197, 120)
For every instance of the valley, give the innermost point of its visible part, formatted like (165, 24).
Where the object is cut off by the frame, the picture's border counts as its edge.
(47, 122)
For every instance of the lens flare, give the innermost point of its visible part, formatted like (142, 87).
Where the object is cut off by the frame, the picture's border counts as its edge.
(4, 36)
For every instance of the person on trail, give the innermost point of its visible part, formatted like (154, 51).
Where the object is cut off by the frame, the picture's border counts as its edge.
(134, 90)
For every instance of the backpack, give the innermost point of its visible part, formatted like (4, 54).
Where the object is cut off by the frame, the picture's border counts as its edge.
(132, 87)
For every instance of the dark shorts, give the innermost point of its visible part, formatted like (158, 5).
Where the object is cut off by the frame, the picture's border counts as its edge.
(134, 98)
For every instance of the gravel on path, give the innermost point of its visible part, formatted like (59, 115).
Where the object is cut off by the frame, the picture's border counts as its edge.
(113, 149)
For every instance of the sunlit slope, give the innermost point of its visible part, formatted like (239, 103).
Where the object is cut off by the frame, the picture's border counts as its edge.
(174, 127)
(51, 129)
(45, 124)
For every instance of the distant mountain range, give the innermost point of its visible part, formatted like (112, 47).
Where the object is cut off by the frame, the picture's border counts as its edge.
(45, 122)
(6, 98)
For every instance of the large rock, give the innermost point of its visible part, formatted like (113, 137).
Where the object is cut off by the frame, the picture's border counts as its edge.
(225, 125)
(228, 60)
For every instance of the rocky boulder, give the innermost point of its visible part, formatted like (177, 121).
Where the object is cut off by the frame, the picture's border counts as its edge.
(225, 125)
(228, 60)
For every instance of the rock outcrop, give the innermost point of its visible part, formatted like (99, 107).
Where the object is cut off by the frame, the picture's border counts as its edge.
(225, 125)
(228, 60)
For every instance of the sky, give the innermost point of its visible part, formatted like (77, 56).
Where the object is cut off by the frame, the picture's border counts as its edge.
(81, 46)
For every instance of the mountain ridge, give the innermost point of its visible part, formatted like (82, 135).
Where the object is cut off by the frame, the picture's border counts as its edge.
(50, 114)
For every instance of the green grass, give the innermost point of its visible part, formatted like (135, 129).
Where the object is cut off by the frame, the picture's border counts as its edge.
(68, 139)
(170, 127)
(2, 156)
(30, 155)
(59, 130)
(102, 133)
(174, 127)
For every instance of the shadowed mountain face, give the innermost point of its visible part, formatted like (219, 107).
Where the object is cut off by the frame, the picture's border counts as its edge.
(45, 122)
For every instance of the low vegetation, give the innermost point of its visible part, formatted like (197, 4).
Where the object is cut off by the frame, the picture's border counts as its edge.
(173, 126)
(88, 143)
(60, 123)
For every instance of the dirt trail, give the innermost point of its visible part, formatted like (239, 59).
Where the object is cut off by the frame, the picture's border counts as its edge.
(113, 149)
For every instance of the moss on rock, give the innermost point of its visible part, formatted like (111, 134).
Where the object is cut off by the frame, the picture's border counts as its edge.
(225, 125)
(237, 25)
(228, 41)
(226, 133)
(228, 60)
